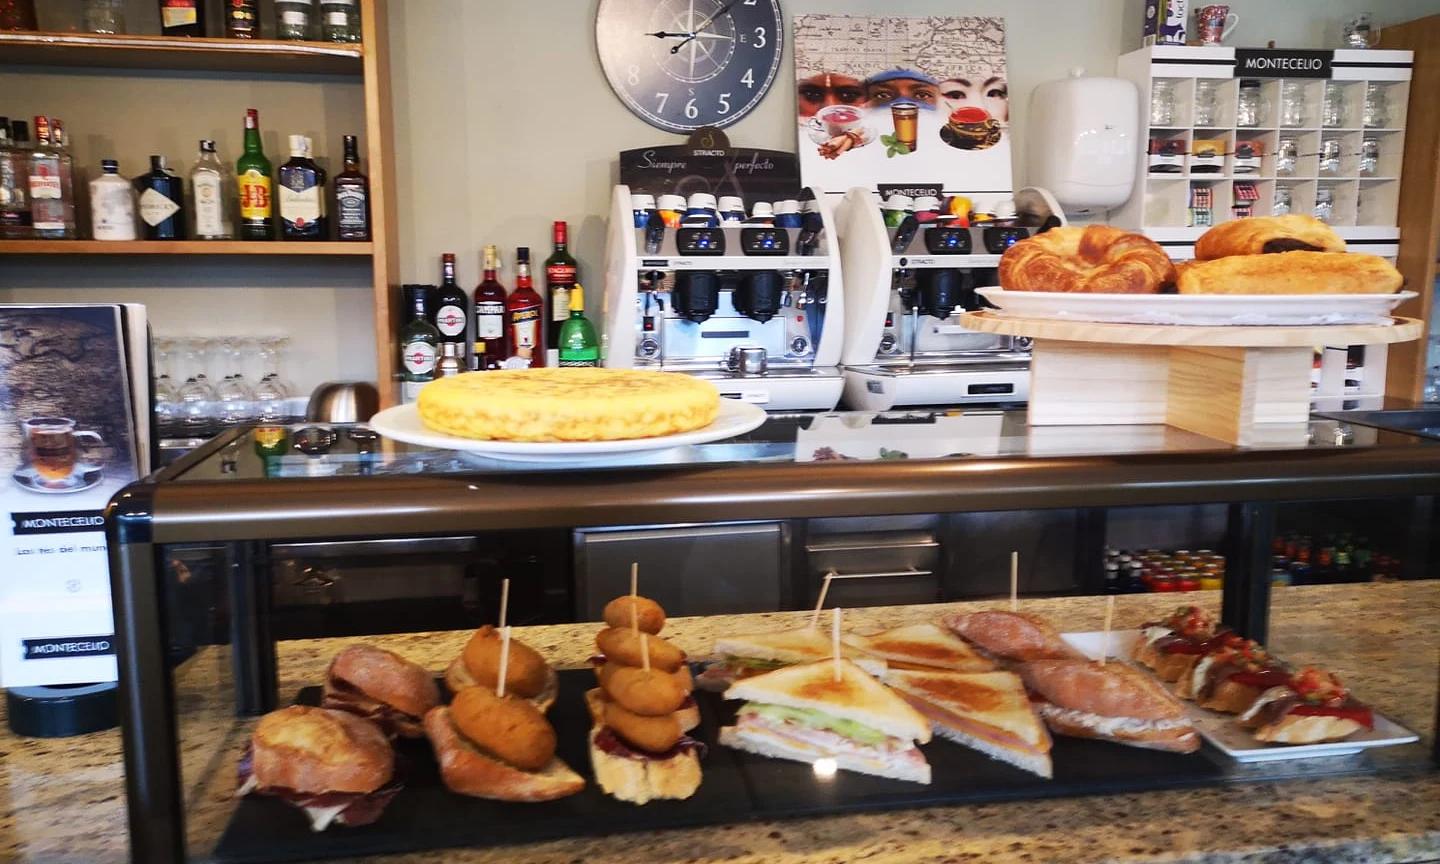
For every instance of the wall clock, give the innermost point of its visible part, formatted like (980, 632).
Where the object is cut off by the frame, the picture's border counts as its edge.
(683, 64)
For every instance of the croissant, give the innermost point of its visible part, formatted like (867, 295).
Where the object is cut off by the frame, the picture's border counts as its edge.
(1095, 259)
(1291, 273)
(1259, 234)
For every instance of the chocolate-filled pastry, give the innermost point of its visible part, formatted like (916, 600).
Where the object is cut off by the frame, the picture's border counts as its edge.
(1258, 235)
(1291, 273)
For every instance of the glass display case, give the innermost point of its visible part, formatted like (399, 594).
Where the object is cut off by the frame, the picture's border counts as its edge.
(213, 560)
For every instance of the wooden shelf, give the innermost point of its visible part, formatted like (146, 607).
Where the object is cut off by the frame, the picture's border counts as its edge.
(182, 247)
(166, 52)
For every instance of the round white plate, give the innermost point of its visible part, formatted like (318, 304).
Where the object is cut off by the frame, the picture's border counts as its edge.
(402, 423)
(1223, 310)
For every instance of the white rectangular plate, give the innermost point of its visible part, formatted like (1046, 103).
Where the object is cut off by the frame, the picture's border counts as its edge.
(1220, 310)
(1237, 743)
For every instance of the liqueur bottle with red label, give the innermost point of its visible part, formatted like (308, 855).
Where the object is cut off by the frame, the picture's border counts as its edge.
(524, 331)
(490, 349)
(452, 310)
(561, 274)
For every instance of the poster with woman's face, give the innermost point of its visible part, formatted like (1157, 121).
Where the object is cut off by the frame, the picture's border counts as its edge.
(903, 100)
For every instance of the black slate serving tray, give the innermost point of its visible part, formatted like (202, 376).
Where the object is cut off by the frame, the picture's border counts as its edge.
(737, 787)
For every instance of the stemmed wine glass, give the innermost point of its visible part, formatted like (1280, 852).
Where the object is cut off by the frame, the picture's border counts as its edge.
(234, 401)
(196, 396)
(272, 392)
(163, 349)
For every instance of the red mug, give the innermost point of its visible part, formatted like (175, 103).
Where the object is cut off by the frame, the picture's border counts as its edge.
(1214, 23)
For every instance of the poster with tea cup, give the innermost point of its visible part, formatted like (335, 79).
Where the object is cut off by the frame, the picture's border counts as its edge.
(68, 443)
(900, 100)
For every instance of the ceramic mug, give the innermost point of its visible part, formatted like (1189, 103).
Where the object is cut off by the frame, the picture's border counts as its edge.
(1214, 23)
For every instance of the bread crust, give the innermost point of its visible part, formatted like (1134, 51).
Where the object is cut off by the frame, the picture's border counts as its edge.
(640, 781)
(1303, 729)
(458, 677)
(1291, 273)
(1251, 236)
(386, 677)
(1182, 739)
(316, 750)
(1232, 697)
(1112, 690)
(468, 771)
(1095, 259)
(1012, 635)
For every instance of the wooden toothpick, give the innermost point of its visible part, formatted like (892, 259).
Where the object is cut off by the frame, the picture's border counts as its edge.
(504, 661)
(835, 640)
(820, 604)
(634, 579)
(504, 600)
(1105, 634)
(1014, 581)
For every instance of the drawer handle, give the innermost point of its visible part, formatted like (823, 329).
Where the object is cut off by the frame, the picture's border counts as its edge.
(881, 575)
(869, 547)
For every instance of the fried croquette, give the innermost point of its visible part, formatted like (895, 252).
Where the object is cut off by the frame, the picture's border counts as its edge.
(623, 647)
(508, 728)
(651, 734)
(618, 613)
(683, 677)
(649, 694)
(525, 674)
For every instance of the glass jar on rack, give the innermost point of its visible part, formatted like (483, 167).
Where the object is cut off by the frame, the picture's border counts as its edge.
(1282, 204)
(1206, 109)
(1332, 105)
(1287, 155)
(1162, 102)
(1292, 103)
(1369, 156)
(1324, 204)
(1376, 112)
(105, 16)
(1249, 104)
(295, 20)
(1329, 157)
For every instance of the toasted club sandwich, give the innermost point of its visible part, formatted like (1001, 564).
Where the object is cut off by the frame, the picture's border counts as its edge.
(803, 713)
(985, 711)
(741, 657)
(921, 646)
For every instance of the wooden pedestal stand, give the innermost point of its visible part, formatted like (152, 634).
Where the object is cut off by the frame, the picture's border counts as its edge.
(1229, 383)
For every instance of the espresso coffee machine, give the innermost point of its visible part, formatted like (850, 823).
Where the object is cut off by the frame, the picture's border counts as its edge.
(906, 287)
(756, 308)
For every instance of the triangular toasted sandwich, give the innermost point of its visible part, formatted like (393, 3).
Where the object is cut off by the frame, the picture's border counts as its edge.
(741, 657)
(986, 711)
(921, 646)
(803, 713)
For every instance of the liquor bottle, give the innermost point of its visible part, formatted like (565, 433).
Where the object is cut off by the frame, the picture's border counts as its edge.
(254, 173)
(524, 331)
(578, 344)
(18, 15)
(210, 198)
(339, 21)
(242, 19)
(352, 197)
(60, 143)
(112, 204)
(452, 309)
(560, 278)
(162, 202)
(302, 194)
(14, 180)
(489, 348)
(47, 199)
(419, 341)
(294, 20)
(182, 17)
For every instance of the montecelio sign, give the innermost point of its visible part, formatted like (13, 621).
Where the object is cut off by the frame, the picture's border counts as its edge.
(1282, 63)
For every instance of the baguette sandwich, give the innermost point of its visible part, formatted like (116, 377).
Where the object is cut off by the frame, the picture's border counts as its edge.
(501, 748)
(336, 767)
(381, 686)
(745, 656)
(985, 711)
(1114, 702)
(1017, 637)
(921, 646)
(803, 713)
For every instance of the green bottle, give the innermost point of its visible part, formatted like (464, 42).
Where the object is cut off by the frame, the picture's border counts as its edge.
(255, 174)
(578, 345)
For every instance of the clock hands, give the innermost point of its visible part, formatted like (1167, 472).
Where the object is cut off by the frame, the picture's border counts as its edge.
(675, 49)
(661, 34)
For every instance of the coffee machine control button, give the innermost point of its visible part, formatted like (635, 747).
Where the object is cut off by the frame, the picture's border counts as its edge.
(764, 241)
(948, 241)
(1024, 343)
(997, 240)
(799, 346)
(648, 349)
(887, 342)
(700, 241)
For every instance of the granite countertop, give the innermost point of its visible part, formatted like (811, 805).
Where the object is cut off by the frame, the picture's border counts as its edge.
(63, 800)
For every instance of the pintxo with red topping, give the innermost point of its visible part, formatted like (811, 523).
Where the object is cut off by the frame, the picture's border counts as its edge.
(1232, 676)
(1173, 646)
(1311, 708)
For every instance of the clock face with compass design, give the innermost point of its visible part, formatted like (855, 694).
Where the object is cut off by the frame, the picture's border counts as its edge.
(683, 64)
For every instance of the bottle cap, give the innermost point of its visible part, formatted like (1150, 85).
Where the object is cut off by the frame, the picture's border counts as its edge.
(110, 166)
(207, 146)
(729, 203)
(899, 202)
(671, 202)
(577, 298)
(157, 162)
(702, 201)
(789, 205)
(297, 145)
(642, 202)
(761, 208)
(927, 204)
